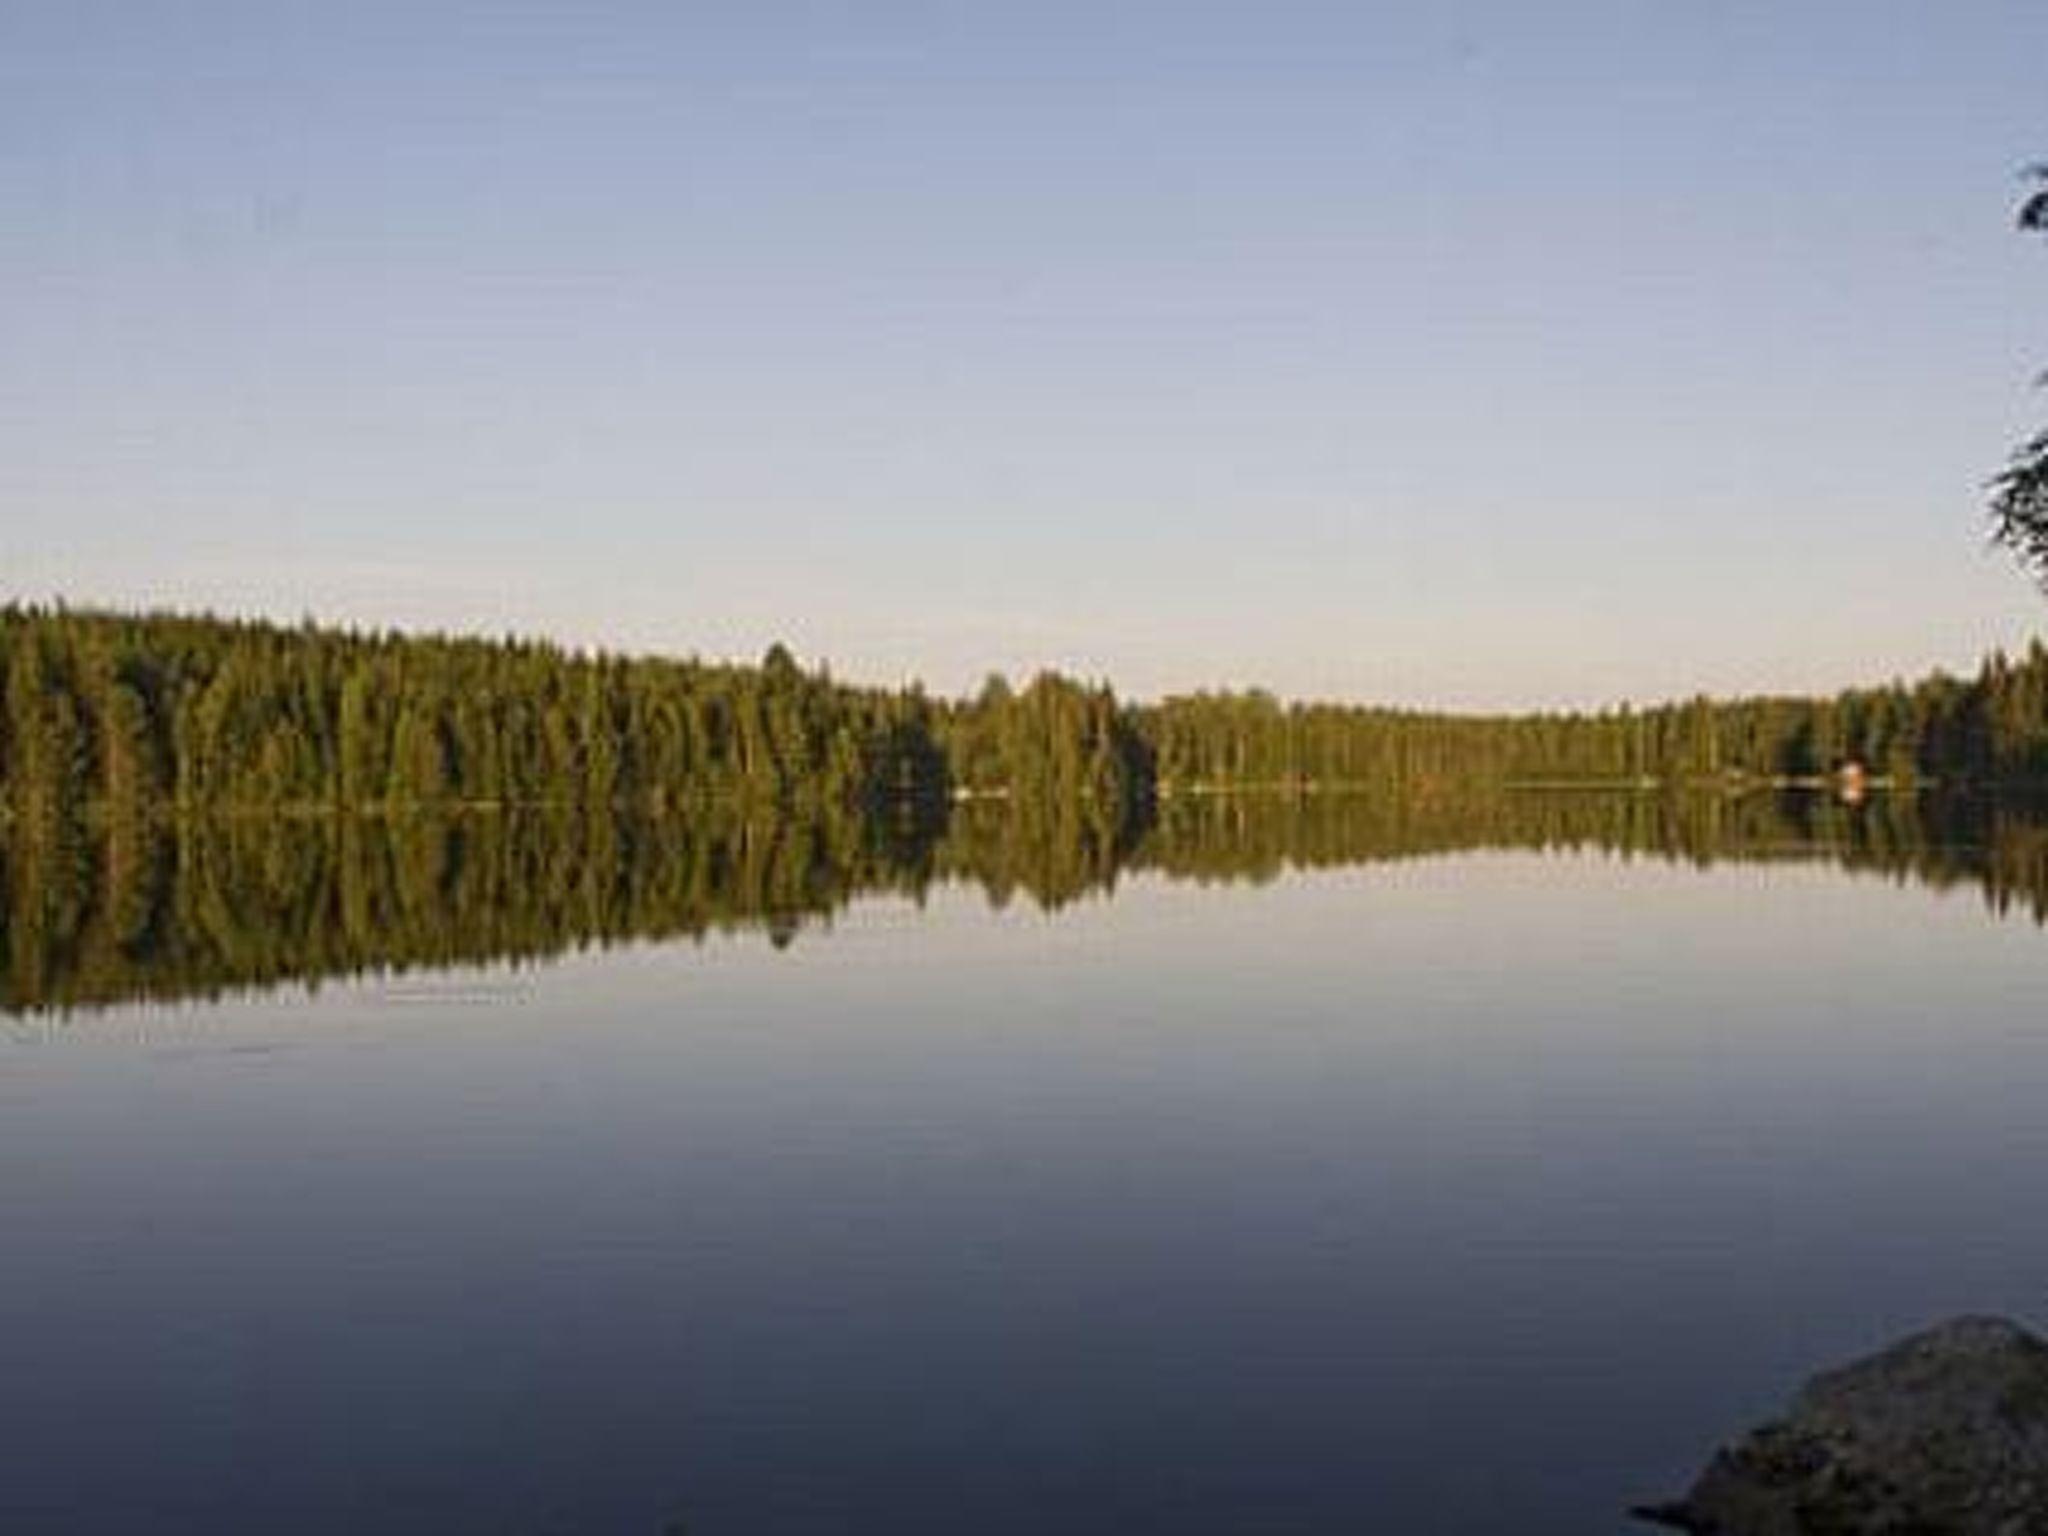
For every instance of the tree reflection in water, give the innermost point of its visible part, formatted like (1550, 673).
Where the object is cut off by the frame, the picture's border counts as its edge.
(100, 913)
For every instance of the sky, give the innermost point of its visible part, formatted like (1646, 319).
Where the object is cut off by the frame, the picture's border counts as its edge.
(1478, 355)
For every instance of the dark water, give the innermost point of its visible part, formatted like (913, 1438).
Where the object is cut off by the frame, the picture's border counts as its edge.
(1270, 1168)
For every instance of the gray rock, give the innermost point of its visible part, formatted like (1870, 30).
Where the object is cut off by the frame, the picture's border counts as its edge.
(1943, 1434)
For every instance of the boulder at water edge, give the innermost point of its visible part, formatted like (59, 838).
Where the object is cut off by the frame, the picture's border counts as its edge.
(1943, 1434)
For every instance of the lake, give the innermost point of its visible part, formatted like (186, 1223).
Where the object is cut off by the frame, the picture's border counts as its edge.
(1270, 1166)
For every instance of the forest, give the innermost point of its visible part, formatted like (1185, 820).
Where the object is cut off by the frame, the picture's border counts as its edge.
(159, 714)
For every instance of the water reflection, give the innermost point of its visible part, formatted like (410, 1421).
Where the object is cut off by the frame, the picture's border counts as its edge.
(126, 911)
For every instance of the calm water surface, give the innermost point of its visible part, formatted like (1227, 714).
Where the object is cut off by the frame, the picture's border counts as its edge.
(1475, 1192)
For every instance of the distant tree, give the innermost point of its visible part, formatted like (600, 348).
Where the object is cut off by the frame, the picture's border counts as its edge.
(2019, 502)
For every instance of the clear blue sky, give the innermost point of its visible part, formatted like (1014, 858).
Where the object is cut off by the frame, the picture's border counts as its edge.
(1475, 354)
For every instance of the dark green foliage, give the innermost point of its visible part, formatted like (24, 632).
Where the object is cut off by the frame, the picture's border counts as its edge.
(206, 715)
(1993, 728)
(156, 714)
(1058, 741)
(2019, 500)
(2019, 505)
(188, 804)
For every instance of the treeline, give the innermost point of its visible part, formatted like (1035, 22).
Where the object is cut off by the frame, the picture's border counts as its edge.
(202, 714)
(129, 909)
(192, 715)
(1992, 728)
